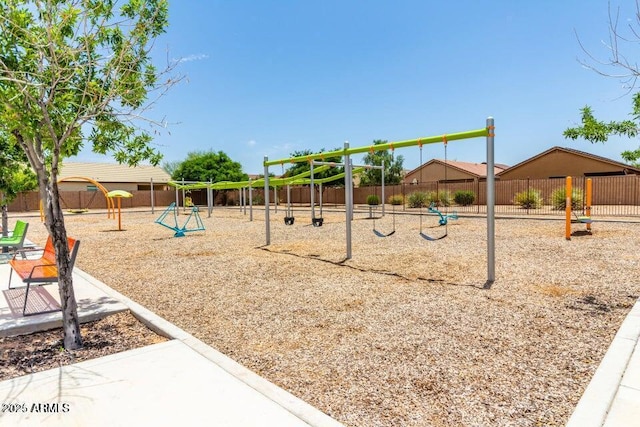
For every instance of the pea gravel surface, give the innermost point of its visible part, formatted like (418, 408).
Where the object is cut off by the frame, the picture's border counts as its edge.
(406, 333)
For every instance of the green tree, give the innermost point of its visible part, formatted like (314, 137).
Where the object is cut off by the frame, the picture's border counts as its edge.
(170, 167)
(301, 167)
(70, 68)
(392, 167)
(627, 71)
(15, 176)
(594, 130)
(201, 166)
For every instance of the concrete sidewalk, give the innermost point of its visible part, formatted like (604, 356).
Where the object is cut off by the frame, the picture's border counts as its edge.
(178, 382)
(612, 398)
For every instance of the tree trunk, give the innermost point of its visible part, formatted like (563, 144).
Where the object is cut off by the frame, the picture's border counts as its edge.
(54, 220)
(5, 221)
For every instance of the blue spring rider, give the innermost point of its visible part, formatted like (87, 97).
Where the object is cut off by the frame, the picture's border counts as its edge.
(180, 231)
(443, 218)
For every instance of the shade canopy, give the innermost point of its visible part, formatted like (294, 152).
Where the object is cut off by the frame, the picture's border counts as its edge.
(119, 193)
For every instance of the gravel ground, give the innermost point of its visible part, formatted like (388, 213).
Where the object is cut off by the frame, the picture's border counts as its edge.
(406, 332)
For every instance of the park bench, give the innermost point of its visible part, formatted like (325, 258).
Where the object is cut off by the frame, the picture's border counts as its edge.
(16, 240)
(40, 271)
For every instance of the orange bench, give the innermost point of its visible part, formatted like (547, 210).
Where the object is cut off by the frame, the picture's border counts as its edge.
(41, 270)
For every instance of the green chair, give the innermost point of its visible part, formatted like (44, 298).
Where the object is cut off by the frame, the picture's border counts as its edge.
(16, 240)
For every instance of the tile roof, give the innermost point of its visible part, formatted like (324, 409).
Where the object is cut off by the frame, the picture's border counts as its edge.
(477, 169)
(114, 172)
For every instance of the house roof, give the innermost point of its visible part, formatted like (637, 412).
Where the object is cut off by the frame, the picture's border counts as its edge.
(114, 172)
(621, 165)
(477, 169)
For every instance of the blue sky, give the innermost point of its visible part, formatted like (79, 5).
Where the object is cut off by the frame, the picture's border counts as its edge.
(271, 77)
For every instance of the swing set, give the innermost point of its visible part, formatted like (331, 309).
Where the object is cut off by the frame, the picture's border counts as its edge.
(347, 152)
(444, 218)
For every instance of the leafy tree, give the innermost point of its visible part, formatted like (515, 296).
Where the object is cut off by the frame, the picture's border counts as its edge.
(301, 167)
(170, 167)
(70, 67)
(15, 176)
(392, 167)
(594, 130)
(202, 166)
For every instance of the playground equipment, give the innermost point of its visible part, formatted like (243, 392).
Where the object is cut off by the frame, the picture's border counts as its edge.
(111, 209)
(487, 132)
(119, 194)
(569, 213)
(432, 208)
(443, 218)
(181, 230)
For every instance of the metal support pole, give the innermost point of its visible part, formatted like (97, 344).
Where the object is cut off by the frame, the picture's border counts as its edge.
(152, 199)
(209, 199)
(250, 201)
(266, 201)
(382, 192)
(184, 207)
(491, 200)
(348, 184)
(567, 209)
(244, 199)
(312, 195)
(320, 198)
(588, 206)
(275, 198)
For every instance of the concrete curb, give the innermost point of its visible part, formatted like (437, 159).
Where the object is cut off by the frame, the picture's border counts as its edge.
(291, 403)
(596, 401)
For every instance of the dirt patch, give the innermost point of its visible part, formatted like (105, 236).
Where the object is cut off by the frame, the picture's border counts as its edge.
(27, 354)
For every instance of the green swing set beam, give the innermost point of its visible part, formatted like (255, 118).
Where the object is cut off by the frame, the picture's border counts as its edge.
(488, 132)
(478, 133)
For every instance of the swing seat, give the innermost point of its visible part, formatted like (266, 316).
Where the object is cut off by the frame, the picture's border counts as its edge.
(585, 219)
(380, 234)
(432, 239)
(317, 222)
(289, 220)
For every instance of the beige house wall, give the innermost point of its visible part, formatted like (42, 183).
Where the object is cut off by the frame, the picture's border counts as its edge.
(436, 172)
(559, 164)
(85, 185)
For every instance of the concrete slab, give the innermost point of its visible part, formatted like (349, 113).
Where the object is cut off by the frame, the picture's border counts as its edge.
(162, 384)
(625, 409)
(180, 382)
(93, 304)
(612, 395)
(631, 376)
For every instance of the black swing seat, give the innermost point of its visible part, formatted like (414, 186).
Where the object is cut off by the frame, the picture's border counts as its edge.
(317, 222)
(432, 239)
(289, 220)
(380, 234)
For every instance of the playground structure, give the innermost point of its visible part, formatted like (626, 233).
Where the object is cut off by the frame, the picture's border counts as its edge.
(318, 221)
(570, 215)
(111, 209)
(247, 186)
(487, 132)
(444, 218)
(180, 230)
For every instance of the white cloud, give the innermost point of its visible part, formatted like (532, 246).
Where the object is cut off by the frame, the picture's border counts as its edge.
(193, 57)
(251, 143)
